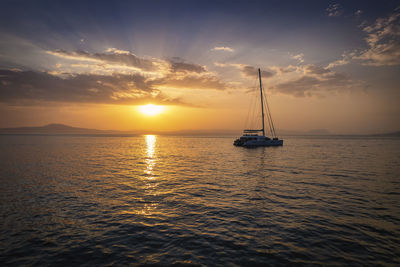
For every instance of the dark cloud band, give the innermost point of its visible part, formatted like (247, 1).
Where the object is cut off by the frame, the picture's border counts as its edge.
(17, 86)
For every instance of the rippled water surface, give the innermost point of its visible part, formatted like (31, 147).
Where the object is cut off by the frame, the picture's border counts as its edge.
(198, 201)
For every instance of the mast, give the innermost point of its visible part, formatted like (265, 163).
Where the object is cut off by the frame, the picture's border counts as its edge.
(262, 102)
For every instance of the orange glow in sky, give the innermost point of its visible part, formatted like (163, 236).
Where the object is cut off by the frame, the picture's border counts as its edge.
(191, 75)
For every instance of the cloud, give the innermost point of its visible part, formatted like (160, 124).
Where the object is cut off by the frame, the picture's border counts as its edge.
(334, 10)
(120, 61)
(315, 81)
(383, 39)
(191, 82)
(104, 84)
(221, 65)
(118, 51)
(313, 69)
(250, 71)
(246, 70)
(31, 87)
(301, 80)
(284, 70)
(184, 75)
(171, 73)
(223, 48)
(178, 65)
(345, 59)
(112, 56)
(299, 57)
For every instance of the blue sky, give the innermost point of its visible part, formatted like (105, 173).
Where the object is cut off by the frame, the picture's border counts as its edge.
(202, 51)
(173, 28)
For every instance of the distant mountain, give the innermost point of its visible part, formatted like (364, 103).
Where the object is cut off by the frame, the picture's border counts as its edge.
(54, 129)
(61, 129)
(392, 134)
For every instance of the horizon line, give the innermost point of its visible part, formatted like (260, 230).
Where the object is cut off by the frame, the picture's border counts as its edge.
(316, 132)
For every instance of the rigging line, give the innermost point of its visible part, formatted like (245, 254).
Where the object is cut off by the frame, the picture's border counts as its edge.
(264, 96)
(271, 128)
(254, 107)
(270, 116)
(250, 111)
(251, 121)
(270, 122)
(247, 117)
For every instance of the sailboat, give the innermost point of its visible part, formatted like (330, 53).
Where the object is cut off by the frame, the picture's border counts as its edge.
(256, 138)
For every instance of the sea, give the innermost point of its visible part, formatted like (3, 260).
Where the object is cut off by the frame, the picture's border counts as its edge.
(199, 201)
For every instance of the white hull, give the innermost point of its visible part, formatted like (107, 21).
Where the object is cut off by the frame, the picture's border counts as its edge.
(256, 141)
(263, 143)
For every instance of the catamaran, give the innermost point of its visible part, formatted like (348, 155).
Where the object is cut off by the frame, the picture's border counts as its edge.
(254, 138)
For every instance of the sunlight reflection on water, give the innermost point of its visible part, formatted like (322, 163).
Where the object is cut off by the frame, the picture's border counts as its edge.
(150, 159)
(169, 200)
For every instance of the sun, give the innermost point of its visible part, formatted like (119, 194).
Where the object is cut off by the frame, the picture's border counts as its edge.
(151, 110)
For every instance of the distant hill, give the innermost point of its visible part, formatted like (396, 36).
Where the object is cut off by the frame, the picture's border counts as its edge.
(61, 129)
(392, 134)
(54, 129)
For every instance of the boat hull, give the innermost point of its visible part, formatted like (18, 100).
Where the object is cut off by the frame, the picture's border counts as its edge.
(258, 143)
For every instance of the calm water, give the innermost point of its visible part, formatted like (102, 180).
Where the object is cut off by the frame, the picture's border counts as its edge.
(186, 200)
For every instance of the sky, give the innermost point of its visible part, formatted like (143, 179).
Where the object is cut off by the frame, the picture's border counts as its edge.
(331, 65)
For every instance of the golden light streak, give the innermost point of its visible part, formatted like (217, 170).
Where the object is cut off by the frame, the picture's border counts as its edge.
(150, 161)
